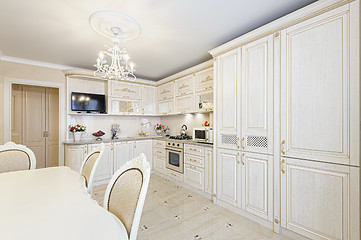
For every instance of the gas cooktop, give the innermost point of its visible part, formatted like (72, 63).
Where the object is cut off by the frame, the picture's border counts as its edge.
(179, 137)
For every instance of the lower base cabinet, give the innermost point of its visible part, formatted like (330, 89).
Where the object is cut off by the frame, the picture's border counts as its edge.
(74, 156)
(104, 170)
(320, 200)
(159, 164)
(194, 176)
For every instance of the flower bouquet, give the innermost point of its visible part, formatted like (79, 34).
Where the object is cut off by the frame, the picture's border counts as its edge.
(77, 131)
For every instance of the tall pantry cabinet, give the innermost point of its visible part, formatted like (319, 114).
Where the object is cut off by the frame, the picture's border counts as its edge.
(288, 122)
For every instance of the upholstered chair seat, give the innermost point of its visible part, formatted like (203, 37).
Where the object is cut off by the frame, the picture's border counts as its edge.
(15, 157)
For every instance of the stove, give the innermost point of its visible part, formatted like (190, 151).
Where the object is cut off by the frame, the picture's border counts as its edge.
(179, 137)
(174, 151)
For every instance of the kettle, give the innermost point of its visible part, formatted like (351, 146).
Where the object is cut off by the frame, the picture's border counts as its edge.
(183, 131)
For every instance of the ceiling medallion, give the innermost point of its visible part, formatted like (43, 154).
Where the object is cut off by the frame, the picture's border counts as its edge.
(119, 28)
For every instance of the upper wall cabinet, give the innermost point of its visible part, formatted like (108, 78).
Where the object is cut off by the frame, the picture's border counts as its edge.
(204, 80)
(124, 90)
(320, 88)
(165, 91)
(228, 99)
(148, 100)
(184, 86)
(257, 96)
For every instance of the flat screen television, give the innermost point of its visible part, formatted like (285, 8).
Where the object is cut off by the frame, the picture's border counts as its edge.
(88, 102)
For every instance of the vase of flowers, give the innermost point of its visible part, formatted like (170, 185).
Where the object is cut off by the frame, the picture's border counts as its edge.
(159, 129)
(77, 131)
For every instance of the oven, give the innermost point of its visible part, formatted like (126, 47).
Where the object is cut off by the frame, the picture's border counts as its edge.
(174, 159)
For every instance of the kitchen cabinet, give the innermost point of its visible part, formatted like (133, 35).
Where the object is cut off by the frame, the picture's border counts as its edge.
(74, 156)
(184, 86)
(204, 101)
(124, 90)
(319, 97)
(159, 164)
(124, 151)
(229, 176)
(124, 106)
(165, 91)
(208, 170)
(320, 200)
(148, 100)
(257, 96)
(194, 176)
(228, 99)
(165, 106)
(204, 80)
(184, 104)
(104, 170)
(159, 156)
(144, 146)
(257, 184)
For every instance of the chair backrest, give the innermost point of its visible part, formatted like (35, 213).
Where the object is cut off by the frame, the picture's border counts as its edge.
(90, 165)
(126, 192)
(15, 157)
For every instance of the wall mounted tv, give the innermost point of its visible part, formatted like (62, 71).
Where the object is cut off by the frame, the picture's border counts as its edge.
(88, 102)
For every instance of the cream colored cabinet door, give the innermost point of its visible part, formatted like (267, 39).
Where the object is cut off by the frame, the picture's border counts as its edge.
(184, 104)
(125, 90)
(144, 146)
(74, 156)
(165, 91)
(124, 106)
(184, 86)
(159, 163)
(228, 99)
(123, 152)
(104, 170)
(229, 176)
(194, 176)
(204, 80)
(257, 184)
(320, 114)
(257, 96)
(204, 101)
(320, 200)
(208, 170)
(148, 100)
(165, 106)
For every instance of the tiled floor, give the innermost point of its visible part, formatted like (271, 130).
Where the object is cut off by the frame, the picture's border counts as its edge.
(172, 212)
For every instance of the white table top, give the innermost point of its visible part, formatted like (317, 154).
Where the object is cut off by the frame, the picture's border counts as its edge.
(52, 203)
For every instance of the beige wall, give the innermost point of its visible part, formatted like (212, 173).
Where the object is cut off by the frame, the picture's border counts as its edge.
(23, 71)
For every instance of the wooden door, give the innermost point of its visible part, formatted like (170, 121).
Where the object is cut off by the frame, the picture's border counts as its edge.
(74, 156)
(52, 127)
(16, 113)
(320, 114)
(228, 99)
(228, 176)
(124, 151)
(34, 126)
(148, 100)
(257, 184)
(104, 170)
(320, 200)
(257, 96)
(144, 146)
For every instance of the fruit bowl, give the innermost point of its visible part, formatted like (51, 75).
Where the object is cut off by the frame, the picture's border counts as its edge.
(98, 135)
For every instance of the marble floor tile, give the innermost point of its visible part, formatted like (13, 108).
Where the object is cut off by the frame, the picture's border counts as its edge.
(172, 212)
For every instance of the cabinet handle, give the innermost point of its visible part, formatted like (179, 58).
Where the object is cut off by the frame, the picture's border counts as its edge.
(283, 152)
(242, 143)
(282, 166)
(242, 158)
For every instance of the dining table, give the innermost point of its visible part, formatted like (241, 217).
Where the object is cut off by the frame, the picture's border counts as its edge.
(52, 203)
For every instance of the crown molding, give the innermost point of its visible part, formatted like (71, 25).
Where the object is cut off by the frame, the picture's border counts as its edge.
(35, 63)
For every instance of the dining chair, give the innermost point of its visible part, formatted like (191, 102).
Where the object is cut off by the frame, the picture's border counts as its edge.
(126, 192)
(90, 165)
(15, 157)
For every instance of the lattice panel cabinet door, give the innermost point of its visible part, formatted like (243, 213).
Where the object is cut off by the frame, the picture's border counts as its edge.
(320, 116)
(257, 96)
(227, 67)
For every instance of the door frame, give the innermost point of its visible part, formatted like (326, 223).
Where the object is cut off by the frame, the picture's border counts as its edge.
(8, 82)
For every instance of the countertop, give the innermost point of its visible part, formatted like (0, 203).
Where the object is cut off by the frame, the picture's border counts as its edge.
(123, 139)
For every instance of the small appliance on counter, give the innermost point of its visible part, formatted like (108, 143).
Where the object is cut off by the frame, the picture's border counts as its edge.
(203, 134)
(167, 131)
(184, 130)
(115, 130)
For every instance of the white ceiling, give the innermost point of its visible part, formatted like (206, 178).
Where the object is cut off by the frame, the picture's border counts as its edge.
(176, 34)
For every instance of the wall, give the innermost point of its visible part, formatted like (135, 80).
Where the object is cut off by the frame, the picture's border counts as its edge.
(23, 71)
(191, 120)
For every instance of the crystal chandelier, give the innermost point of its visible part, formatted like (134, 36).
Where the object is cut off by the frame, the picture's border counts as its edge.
(119, 67)
(114, 63)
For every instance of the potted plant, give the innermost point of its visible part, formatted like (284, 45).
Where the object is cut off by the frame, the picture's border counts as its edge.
(159, 129)
(77, 131)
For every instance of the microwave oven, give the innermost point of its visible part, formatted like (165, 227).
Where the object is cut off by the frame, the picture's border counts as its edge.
(203, 134)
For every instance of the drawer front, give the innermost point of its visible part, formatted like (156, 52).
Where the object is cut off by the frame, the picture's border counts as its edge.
(158, 144)
(175, 175)
(194, 176)
(125, 90)
(194, 160)
(159, 152)
(193, 149)
(159, 163)
(165, 91)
